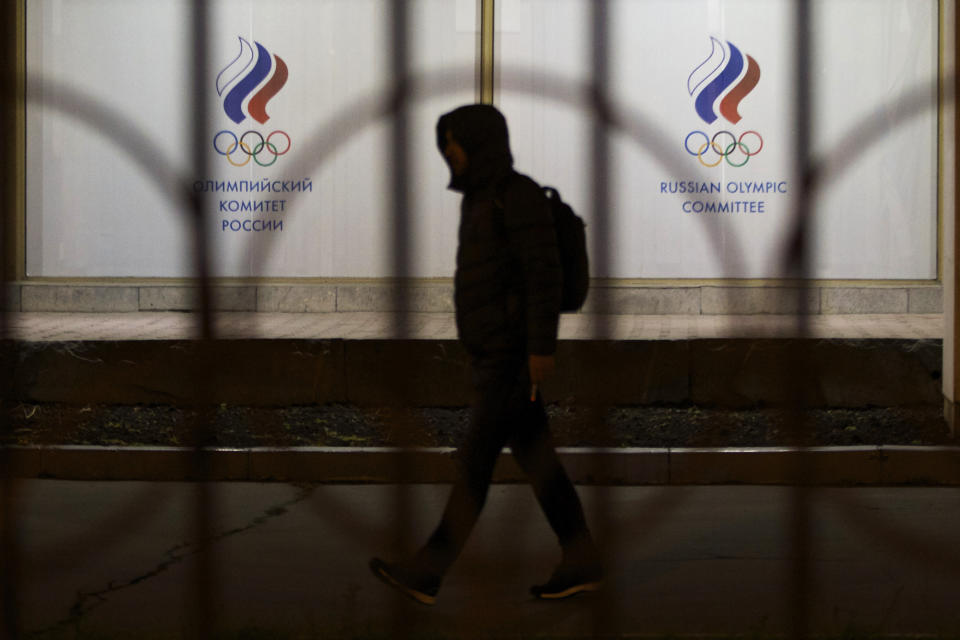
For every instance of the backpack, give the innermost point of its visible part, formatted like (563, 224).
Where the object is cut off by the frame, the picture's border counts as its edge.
(572, 247)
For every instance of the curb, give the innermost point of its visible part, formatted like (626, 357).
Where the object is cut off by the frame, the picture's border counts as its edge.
(817, 466)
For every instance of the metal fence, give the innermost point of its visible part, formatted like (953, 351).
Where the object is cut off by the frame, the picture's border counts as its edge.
(394, 105)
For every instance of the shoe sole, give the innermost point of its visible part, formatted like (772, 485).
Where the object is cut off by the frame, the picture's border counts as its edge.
(572, 591)
(419, 596)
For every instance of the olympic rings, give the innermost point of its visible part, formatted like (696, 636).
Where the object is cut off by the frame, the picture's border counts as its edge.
(725, 149)
(254, 151)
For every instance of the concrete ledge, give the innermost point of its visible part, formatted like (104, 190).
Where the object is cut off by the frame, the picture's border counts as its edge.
(20, 462)
(863, 300)
(297, 299)
(925, 299)
(170, 298)
(644, 300)
(920, 465)
(830, 466)
(351, 465)
(621, 466)
(430, 296)
(146, 463)
(820, 466)
(79, 298)
(728, 466)
(373, 297)
(751, 300)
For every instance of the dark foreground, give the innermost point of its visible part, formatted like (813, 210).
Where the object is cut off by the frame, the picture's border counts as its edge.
(120, 560)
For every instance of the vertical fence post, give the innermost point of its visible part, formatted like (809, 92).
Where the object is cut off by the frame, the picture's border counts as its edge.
(399, 167)
(197, 106)
(9, 135)
(800, 534)
(600, 152)
(606, 620)
(205, 582)
(399, 171)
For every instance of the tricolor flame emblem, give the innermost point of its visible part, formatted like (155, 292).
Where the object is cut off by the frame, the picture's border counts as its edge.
(714, 78)
(243, 75)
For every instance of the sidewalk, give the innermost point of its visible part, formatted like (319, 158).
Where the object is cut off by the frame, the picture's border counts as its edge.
(118, 560)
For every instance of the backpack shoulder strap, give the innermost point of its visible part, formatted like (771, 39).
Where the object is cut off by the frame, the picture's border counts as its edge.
(500, 190)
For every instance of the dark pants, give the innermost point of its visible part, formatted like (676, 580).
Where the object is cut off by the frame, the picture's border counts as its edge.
(503, 414)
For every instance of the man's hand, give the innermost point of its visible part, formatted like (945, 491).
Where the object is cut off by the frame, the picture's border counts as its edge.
(541, 367)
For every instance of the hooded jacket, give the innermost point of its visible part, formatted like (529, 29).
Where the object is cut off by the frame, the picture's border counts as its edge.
(507, 286)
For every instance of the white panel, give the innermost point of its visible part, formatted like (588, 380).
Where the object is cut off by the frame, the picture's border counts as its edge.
(875, 220)
(878, 218)
(91, 212)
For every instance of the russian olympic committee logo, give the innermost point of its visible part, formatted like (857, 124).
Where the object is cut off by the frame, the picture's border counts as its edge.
(715, 87)
(251, 71)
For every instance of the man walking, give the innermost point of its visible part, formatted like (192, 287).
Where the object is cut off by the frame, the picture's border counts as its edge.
(507, 292)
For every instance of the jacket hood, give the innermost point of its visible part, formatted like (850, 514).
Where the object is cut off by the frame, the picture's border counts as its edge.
(482, 132)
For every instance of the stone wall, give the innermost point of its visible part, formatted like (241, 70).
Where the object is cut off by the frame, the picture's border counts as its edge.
(709, 299)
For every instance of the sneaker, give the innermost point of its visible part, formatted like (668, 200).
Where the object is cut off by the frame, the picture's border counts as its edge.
(418, 585)
(569, 580)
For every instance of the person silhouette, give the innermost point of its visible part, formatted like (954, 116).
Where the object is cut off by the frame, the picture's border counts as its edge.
(507, 293)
